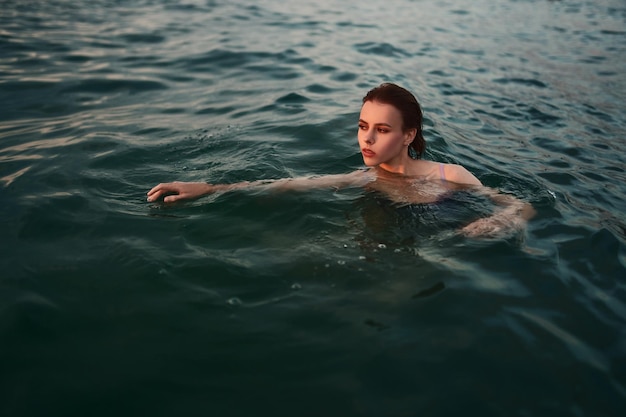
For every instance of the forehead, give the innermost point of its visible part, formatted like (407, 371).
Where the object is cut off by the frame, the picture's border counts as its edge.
(374, 112)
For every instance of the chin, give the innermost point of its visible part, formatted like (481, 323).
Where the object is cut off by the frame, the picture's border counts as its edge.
(370, 162)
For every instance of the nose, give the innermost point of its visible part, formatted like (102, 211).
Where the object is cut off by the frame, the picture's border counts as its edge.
(369, 137)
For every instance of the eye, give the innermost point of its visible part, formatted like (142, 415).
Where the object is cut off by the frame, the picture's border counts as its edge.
(383, 130)
(362, 126)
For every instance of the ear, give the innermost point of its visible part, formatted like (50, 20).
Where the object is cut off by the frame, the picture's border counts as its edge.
(409, 135)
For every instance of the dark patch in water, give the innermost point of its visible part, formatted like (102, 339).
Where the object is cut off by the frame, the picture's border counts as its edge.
(143, 38)
(521, 81)
(428, 292)
(292, 98)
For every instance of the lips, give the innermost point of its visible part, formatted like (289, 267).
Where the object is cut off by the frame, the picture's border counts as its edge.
(368, 153)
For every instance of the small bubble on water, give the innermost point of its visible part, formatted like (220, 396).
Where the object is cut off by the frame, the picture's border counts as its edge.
(341, 262)
(382, 246)
(362, 258)
(327, 265)
(345, 246)
(295, 286)
(397, 250)
(234, 301)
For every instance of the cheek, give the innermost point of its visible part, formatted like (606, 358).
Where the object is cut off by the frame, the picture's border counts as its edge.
(393, 142)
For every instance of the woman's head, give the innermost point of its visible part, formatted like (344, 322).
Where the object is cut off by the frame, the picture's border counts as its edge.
(409, 109)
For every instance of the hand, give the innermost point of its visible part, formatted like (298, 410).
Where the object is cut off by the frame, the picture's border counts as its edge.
(505, 222)
(493, 227)
(174, 191)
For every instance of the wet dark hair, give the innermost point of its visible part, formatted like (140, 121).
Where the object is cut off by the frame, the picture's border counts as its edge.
(407, 105)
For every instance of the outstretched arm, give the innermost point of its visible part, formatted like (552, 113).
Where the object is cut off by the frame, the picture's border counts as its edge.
(175, 191)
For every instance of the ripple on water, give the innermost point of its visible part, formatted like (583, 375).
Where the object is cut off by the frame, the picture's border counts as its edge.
(104, 85)
(319, 89)
(217, 110)
(521, 81)
(58, 215)
(142, 38)
(557, 146)
(343, 76)
(224, 59)
(30, 315)
(382, 49)
(292, 98)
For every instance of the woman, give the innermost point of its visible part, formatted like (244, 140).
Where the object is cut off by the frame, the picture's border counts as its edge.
(391, 142)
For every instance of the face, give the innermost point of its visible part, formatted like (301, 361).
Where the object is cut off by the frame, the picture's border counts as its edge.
(381, 138)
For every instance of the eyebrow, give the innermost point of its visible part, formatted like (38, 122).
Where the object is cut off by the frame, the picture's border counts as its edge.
(375, 124)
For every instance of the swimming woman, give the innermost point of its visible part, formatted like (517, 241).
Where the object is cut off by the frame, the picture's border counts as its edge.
(392, 145)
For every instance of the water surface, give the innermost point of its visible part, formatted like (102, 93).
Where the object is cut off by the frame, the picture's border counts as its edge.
(314, 303)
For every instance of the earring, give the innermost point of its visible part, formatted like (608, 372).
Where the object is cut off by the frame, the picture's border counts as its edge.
(413, 153)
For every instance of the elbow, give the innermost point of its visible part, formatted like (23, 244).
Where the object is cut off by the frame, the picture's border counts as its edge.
(528, 211)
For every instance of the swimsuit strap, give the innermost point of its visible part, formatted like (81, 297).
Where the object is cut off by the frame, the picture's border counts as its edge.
(442, 173)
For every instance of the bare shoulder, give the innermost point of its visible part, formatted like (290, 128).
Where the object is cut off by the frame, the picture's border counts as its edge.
(460, 175)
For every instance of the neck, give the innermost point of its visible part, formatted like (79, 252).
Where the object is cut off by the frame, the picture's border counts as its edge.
(403, 165)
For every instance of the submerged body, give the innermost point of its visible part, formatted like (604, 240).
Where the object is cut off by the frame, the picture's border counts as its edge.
(391, 143)
(510, 216)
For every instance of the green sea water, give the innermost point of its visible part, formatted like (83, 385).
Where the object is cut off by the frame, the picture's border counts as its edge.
(324, 302)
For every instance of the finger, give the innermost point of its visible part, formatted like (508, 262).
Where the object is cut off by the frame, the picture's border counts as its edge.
(161, 190)
(160, 187)
(154, 195)
(172, 198)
